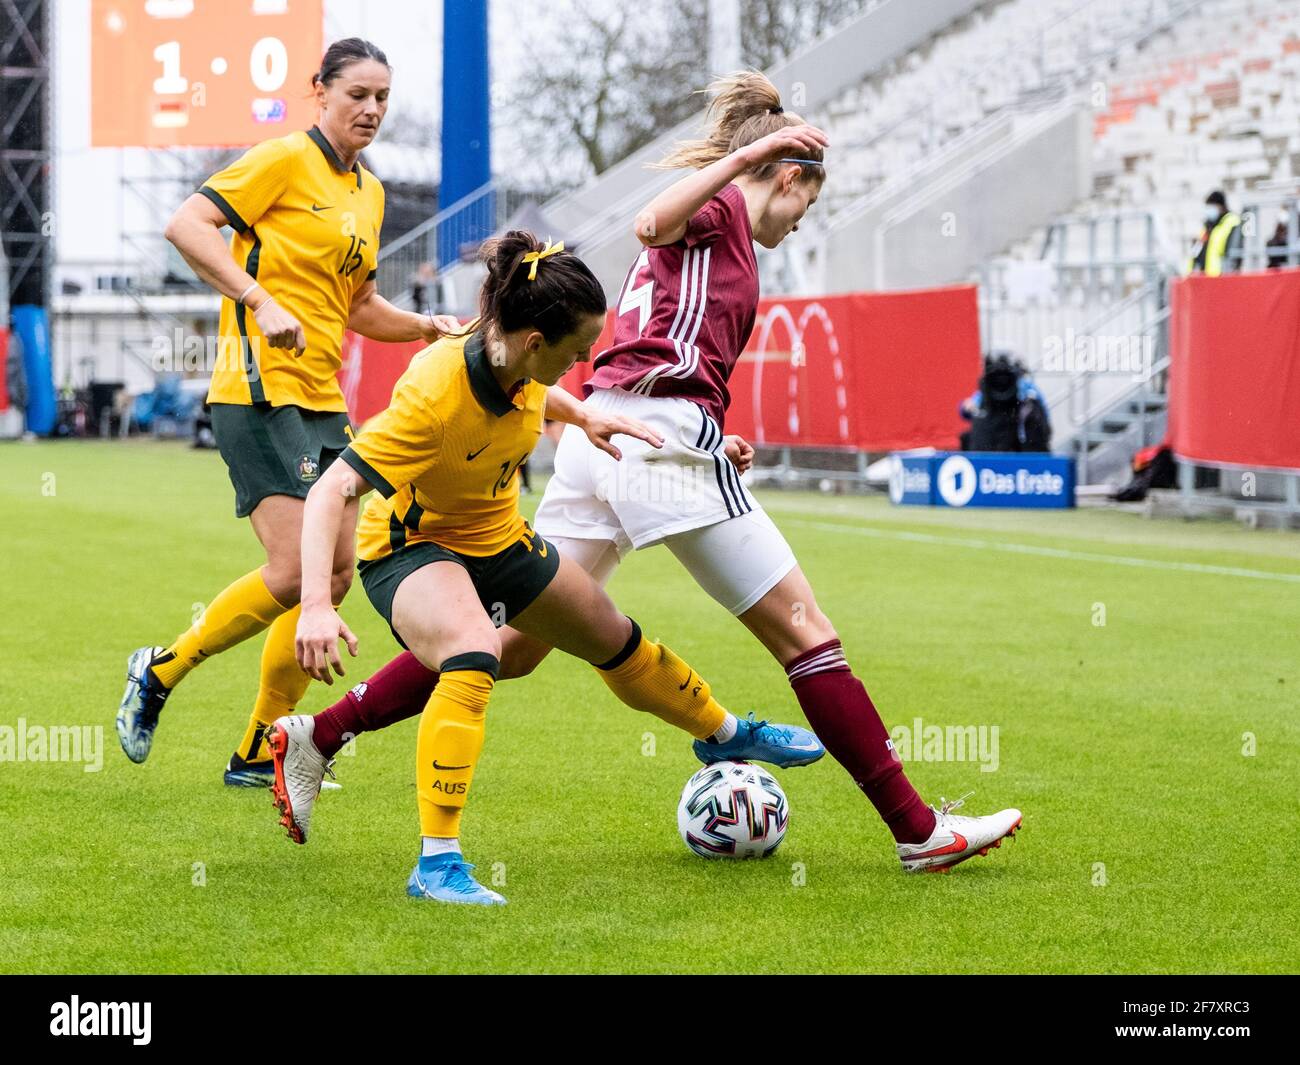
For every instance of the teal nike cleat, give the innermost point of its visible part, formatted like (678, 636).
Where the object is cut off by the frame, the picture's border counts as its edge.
(446, 877)
(758, 741)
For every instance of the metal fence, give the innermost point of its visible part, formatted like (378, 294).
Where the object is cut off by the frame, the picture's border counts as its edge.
(450, 237)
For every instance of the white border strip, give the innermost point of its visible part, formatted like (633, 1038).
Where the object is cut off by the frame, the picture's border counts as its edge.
(1046, 552)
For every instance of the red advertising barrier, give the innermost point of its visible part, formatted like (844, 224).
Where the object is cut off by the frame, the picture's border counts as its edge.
(370, 370)
(871, 371)
(1234, 376)
(868, 371)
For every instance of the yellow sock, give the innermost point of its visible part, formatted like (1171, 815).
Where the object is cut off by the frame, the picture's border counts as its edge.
(450, 739)
(281, 687)
(243, 609)
(648, 676)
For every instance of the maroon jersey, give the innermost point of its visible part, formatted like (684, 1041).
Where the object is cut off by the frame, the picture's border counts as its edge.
(686, 311)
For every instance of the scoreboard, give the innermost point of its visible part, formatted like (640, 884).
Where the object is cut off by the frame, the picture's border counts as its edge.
(187, 73)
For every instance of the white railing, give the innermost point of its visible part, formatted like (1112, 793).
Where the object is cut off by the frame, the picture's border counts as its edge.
(1089, 318)
(450, 236)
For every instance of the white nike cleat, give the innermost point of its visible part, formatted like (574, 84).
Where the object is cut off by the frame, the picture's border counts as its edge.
(299, 770)
(956, 838)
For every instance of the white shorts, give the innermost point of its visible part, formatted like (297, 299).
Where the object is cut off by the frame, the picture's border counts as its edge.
(686, 495)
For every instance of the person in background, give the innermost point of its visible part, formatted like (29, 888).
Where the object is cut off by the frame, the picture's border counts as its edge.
(1218, 248)
(1280, 241)
(1028, 425)
(426, 291)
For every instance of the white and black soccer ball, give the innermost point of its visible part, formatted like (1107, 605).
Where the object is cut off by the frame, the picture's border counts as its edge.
(732, 810)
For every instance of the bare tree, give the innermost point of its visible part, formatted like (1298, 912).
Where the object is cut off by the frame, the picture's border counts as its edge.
(625, 72)
(772, 30)
(417, 127)
(602, 79)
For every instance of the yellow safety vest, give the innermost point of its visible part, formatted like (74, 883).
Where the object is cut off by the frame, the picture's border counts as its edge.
(1215, 245)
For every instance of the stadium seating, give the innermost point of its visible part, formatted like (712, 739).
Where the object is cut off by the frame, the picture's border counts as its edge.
(1188, 97)
(1002, 56)
(1185, 95)
(1214, 103)
(1211, 102)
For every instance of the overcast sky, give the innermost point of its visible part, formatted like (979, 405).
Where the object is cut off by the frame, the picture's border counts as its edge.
(92, 209)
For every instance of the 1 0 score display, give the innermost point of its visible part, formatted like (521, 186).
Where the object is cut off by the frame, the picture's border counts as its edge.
(184, 73)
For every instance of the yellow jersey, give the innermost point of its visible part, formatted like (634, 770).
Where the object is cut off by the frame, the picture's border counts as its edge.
(445, 454)
(308, 231)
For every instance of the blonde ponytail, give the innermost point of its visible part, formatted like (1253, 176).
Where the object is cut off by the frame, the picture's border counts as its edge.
(745, 107)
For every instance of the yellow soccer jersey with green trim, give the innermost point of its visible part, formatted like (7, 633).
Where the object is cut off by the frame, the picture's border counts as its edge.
(308, 231)
(445, 454)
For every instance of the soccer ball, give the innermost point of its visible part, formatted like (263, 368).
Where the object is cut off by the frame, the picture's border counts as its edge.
(732, 810)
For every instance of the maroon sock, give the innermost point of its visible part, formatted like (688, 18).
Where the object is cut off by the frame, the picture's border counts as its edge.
(398, 691)
(841, 713)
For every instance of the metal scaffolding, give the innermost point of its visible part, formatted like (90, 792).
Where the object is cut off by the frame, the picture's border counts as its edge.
(25, 79)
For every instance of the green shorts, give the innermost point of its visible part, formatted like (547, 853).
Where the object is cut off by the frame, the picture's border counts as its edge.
(276, 451)
(506, 582)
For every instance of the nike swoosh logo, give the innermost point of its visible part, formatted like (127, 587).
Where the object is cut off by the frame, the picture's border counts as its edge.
(683, 687)
(329, 208)
(475, 454)
(957, 845)
(437, 766)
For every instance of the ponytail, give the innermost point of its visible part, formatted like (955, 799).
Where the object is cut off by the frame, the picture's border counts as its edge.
(746, 107)
(562, 288)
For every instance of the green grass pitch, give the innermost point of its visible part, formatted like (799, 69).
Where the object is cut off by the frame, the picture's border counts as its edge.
(1154, 756)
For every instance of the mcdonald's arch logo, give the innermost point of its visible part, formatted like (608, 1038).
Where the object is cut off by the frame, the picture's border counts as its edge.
(777, 323)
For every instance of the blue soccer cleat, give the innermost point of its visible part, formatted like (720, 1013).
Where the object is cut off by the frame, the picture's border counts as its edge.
(758, 741)
(445, 877)
(142, 702)
(242, 774)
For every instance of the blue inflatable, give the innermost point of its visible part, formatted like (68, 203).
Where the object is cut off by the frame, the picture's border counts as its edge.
(32, 328)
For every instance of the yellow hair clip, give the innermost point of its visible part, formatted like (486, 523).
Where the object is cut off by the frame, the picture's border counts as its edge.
(535, 257)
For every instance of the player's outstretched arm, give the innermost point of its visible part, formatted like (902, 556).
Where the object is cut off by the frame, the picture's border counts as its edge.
(665, 218)
(373, 316)
(599, 427)
(319, 626)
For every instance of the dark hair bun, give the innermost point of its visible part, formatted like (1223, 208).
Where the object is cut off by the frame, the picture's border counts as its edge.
(562, 290)
(504, 254)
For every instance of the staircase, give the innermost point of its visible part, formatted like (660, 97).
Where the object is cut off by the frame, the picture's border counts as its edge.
(1100, 359)
(1104, 444)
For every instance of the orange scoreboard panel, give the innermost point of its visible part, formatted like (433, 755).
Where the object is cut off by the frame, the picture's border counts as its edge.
(181, 73)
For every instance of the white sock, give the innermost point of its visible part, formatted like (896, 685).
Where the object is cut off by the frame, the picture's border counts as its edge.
(726, 730)
(431, 845)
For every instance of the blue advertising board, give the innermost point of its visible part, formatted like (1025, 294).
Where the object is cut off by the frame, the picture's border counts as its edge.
(981, 479)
